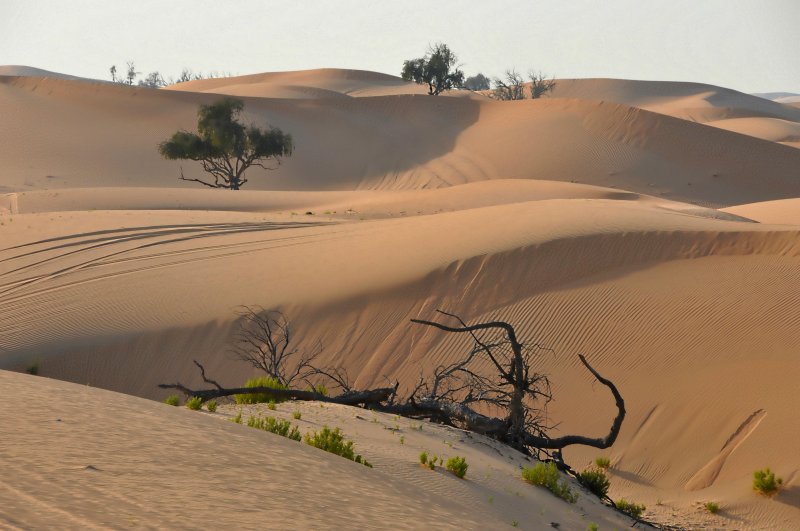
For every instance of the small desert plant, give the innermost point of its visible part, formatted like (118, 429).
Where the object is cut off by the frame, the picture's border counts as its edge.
(633, 509)
(362, 461)
(458, 466)
(238, 418)
(211, 405)
(432, 462)
(765, 482)
(595, 480)
(333, 441)
(514, 523)
(547, 476)
(195, 403)
(280, 427)
(296, 415)
(256, 398)
(711, 507)
(172, 400)
(423, 458)
(602, 462)
(33, 368)
(592, 527)
(271, 405)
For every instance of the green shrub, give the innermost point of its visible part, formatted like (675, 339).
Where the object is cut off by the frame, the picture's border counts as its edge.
(458, 466)
(173, 400)
(296, 415)
(547, 476)
(271, 405)
(195, 403)
(592, 527)
(211, 405)
(238, 418)
(33, 368)
(602, 462)
(633, 509)
(432, 464)
(595, 480)
(280, 427)
(765, 482)
(258, 398)
(331, 441)
(423, 458)
(711, 507)
(362, 461)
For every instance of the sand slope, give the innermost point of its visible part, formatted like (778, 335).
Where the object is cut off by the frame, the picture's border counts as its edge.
(72, 134)
(84, 458)
(113, 275)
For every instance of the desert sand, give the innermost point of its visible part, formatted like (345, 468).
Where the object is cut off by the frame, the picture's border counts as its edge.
(652, 226)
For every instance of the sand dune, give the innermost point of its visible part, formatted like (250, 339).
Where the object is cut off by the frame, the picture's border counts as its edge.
(74, 465)
(388, 142)
(587, 221)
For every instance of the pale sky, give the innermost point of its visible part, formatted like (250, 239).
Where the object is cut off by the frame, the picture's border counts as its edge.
(748, 45)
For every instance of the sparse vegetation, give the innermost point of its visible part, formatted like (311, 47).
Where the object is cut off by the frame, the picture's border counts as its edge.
(547, 476)
(280, 427)
(257, 398)
(271, 405)
(172, 400)
(296, 415)
(33, 368)
(765, 482)
(423, 458)
(711, 507)
(195, 403)
(458, 466)
(238, 418)
(596, 481)
(333, 441)
(212, 405)
(633, 509)
(592, 527)
(602, 462)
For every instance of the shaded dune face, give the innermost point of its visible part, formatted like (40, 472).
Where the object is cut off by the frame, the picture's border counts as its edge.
(591, 220)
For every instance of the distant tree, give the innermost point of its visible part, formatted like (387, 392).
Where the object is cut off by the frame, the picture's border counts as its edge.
(510, 87)
(225, 146)
(438, 69)
(132, 73)
(539, 85)
(477, 82)
(113, 71)
(153, 80)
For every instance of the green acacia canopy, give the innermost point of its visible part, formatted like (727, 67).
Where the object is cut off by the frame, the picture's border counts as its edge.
(225, 146)
(438, 69)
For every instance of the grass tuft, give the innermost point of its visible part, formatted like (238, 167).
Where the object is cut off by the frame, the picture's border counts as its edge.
(547, 476)
(333, 441)
(630, 508)
(596, 481)
(211, 405)
(602, 462)
(258, 398)
(765, 482)
(280, 427)
(711, 507)
(195, 403)
(458, 466)
(172, 400)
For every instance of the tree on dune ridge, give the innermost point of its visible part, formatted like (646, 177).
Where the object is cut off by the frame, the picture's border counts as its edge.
(438, 69)
(226, 147)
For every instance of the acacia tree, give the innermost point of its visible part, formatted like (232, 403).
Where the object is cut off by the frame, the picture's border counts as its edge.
(477, 82)
(226, 147)
(512, 86)
(540, 85)
(438, 69)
